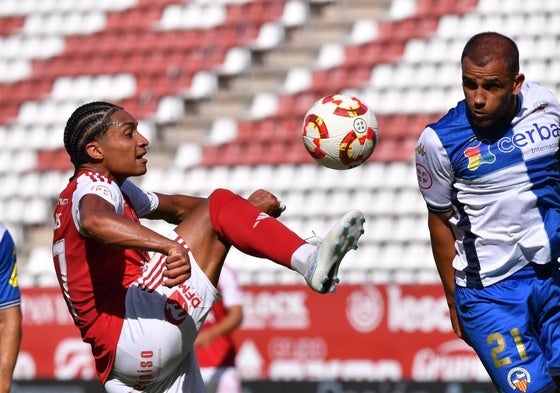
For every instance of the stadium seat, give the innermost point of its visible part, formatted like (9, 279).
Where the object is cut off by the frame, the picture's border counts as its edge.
(404, 64)
(36, 211)
(51, 183)
(204, 85)
(271, 35)
(28, 185)
(40, 267)
(187, 155)
(170, 110)
(237, 61)
(218, 177)
(195, 180)
(330, 56)
(295, 13)
(401, 9)
(298, 79)
(13, 70)
(263, 105)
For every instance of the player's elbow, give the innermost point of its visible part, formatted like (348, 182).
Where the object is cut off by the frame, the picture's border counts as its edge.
(92, 226)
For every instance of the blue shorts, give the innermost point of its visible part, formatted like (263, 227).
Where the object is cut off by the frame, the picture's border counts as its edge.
(514, 327)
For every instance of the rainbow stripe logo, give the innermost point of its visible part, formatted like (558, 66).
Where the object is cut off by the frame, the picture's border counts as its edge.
(478, 155)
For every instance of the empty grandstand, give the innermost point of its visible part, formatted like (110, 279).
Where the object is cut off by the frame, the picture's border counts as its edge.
(220, 88)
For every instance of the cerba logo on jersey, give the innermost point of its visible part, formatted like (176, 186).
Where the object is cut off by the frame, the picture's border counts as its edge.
(533, 142)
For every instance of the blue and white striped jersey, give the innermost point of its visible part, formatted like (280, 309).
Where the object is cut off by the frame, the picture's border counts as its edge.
(503, 187)
(9, 288)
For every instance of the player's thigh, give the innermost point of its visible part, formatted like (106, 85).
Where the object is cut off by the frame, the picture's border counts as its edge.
(550, 325)
(500, 325)
(203, 241)
(185, 378)
(159, 329)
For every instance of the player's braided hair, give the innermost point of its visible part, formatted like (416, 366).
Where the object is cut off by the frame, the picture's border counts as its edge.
(87, 123)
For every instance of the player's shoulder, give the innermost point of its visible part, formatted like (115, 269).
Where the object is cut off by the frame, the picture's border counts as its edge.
(92, 179)
(450, 125)
(89, 176)
(6, 236)
(536, 97)
(535, 92)
(91, 182)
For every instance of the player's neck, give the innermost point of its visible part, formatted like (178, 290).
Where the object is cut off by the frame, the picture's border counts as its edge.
(95, 168)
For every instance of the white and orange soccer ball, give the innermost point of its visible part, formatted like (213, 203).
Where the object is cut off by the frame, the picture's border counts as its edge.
(340, 131)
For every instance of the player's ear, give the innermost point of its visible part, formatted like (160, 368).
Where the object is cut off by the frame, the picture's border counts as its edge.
(94, 151)
(517, 83)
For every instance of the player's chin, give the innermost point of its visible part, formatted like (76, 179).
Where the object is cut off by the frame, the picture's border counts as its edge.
(141, 168)
(484, 123)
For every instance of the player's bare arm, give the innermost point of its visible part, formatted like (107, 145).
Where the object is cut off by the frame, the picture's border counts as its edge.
(175, 208)
(10, 338)
(100, 222)
(228, 324)
(443, 248)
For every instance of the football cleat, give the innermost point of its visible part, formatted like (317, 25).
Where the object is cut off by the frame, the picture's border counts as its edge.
(343, 237)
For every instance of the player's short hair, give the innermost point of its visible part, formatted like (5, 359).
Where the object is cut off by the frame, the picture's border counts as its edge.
(86, 123)
(483, 48)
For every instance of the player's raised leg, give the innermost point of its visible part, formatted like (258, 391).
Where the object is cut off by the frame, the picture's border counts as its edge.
(228, 219)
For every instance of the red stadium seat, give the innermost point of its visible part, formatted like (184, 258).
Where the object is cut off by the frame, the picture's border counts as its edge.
(11, 24)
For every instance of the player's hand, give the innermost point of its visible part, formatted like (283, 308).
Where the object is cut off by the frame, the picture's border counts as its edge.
(204, 339)
(177, 267)
(455, 321)
(267, 202)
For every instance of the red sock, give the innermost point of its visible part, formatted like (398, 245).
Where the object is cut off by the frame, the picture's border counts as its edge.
(250, 230)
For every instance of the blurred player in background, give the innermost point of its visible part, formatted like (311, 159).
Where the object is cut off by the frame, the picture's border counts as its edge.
(215, 349)
(10, 310)
(141, 315)
(489, 172)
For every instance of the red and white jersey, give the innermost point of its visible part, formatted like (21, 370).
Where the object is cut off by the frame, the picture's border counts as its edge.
(221, 353)
(94, 278)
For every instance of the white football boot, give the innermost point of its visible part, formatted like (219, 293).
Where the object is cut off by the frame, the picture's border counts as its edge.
(343, 237)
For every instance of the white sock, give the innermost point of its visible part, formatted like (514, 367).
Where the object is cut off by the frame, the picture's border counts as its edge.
(300, 258)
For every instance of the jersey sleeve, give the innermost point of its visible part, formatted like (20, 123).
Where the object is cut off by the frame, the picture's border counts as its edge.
(144, 202)
(433, 169)
(9, 289)
(107, 190)
(231, 290)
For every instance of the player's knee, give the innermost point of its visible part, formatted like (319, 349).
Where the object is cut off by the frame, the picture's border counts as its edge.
(217, 202)
(221, 197)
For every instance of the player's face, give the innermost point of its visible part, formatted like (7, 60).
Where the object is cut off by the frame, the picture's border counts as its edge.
(123, 148)
(490, 91)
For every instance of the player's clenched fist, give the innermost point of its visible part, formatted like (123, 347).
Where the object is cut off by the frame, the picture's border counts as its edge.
(267, 202)
(177, 266)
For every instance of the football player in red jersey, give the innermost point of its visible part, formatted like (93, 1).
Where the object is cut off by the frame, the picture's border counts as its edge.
(139, 298)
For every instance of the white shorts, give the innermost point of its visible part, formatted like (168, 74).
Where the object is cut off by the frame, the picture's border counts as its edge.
(221, 379)
(155, 349)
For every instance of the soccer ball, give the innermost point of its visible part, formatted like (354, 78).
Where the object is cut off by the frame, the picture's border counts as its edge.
(340, 131)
